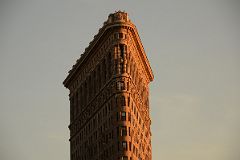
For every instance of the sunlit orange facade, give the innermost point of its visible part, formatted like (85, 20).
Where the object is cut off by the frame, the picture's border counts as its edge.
(109, 96)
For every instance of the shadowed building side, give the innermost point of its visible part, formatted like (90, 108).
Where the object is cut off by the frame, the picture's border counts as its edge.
(109, 105)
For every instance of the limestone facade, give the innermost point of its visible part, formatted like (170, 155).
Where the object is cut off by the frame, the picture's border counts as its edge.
(109, 96)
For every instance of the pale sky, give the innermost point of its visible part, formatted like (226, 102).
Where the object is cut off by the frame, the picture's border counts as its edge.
(194, 50)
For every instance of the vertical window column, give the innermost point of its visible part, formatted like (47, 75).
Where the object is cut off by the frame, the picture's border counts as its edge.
(76, 104)
(115, 59)
(109, 68)
(99, 77)
(94, 82)
(71, 108)
(90, 87)
(118, 59)
(80, 98)
(85, 94)
(104, 71)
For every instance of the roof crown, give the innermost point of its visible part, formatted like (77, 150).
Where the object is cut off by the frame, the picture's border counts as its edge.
(118, 16)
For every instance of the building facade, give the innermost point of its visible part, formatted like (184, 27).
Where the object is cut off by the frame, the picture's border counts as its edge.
(109, 96)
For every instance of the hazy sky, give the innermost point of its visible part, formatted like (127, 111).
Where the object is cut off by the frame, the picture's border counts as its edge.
(194, 50)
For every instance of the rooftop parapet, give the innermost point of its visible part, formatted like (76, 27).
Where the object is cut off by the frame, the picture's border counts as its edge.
(118, 16)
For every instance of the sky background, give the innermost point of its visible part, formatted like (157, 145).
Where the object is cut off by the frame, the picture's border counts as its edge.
(194, 50)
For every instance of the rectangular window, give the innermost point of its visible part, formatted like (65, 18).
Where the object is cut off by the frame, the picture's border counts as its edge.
(123, 116)
(123, 101)
(120, 35)
(129, 117)
(124, 158)
(124, 145)
(122, 50)
(122, 67)
(117, 131)
(120, 85)
(123, 131)
(116, 36)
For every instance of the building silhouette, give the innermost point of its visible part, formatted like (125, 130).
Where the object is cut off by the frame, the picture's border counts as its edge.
(109, 96)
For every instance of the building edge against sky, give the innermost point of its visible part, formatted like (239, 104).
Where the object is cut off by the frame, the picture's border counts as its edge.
(109, 96)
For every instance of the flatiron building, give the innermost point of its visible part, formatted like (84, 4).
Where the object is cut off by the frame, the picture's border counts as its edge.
(109, 96)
